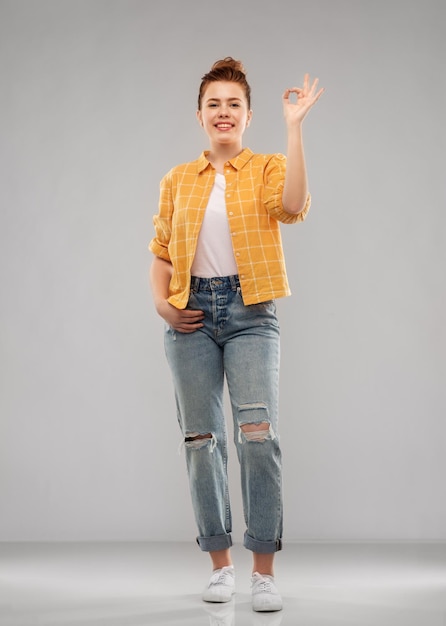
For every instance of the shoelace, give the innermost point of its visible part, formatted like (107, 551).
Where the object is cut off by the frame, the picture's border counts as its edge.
(219, 578)
(264, 586)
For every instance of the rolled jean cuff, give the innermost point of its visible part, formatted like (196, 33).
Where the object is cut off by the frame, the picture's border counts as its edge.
(212, 544)
(261, 547)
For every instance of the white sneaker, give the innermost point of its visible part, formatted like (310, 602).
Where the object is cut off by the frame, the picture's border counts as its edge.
(265, 596)
(221, 585)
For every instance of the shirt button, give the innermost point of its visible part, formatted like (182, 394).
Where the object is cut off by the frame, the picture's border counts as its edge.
(233, 234)
(237, 254)
(242, 276)
(231, 213)
(228, 195)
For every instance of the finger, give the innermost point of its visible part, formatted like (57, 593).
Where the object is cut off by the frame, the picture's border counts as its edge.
(187, 320)
(190, 320)
(186, 323)
(306, 82)
(191, 313)
(189, 325)
(188, 328)
(186, 331)
(291, 90)
(319, 94)
(313, 86)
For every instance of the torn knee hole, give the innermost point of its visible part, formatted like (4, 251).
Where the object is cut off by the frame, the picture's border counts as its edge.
(257, 432)
(247, 428)
(253, 418)
(196, 441)
(195, 436)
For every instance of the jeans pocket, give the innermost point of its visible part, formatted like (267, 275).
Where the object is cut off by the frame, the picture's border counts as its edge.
(267, 305)
(267, 313)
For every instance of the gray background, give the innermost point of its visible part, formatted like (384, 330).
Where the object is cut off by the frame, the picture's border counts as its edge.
(98, 102)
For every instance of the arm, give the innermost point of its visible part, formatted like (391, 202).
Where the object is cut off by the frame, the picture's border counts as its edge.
(295, 190)
(181, 320)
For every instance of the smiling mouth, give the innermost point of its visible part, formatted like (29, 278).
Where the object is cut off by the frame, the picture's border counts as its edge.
(223, 126)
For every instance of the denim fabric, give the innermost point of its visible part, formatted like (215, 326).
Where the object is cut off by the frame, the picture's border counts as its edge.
(242, 343)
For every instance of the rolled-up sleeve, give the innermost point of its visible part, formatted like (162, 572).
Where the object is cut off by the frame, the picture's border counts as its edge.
(274, 180)
(163, 220)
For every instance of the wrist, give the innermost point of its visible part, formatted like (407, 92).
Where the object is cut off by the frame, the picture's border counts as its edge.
(294, 129)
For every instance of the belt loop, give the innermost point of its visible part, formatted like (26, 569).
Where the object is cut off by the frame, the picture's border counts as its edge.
(234, 282)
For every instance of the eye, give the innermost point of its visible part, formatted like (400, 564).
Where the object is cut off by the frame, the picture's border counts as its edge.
(212, 105)
(235, 105)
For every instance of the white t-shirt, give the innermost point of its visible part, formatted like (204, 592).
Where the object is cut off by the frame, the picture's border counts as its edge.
(214, 255)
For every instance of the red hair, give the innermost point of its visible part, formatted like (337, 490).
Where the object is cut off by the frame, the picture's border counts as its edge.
(229, 70)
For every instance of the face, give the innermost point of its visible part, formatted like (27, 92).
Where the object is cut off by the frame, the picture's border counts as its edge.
(224, 113)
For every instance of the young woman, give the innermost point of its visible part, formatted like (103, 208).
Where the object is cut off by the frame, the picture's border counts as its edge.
(217, 270)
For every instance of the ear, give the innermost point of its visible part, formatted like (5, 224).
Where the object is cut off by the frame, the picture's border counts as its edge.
(248, 119)
(199, 118)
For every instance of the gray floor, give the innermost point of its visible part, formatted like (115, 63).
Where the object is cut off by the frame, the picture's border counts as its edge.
(134, 584)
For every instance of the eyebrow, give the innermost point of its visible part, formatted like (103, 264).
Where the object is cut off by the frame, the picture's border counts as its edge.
(218, 99)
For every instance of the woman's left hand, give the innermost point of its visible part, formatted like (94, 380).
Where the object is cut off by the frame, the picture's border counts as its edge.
(295, 112)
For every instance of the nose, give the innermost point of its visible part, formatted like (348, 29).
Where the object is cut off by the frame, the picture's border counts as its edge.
(223, 111)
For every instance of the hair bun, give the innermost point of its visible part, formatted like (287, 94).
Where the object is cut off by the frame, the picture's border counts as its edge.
(229, 70)
(229, 62)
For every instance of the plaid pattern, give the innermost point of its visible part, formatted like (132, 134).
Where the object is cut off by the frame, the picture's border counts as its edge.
(254, 184)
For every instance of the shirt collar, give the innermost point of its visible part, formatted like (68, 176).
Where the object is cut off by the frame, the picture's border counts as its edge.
(237, 162)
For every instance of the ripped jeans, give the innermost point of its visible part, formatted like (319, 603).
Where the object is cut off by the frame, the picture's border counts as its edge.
(242, 343)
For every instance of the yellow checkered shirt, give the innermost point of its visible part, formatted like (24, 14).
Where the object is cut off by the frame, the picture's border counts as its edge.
(254, 185)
